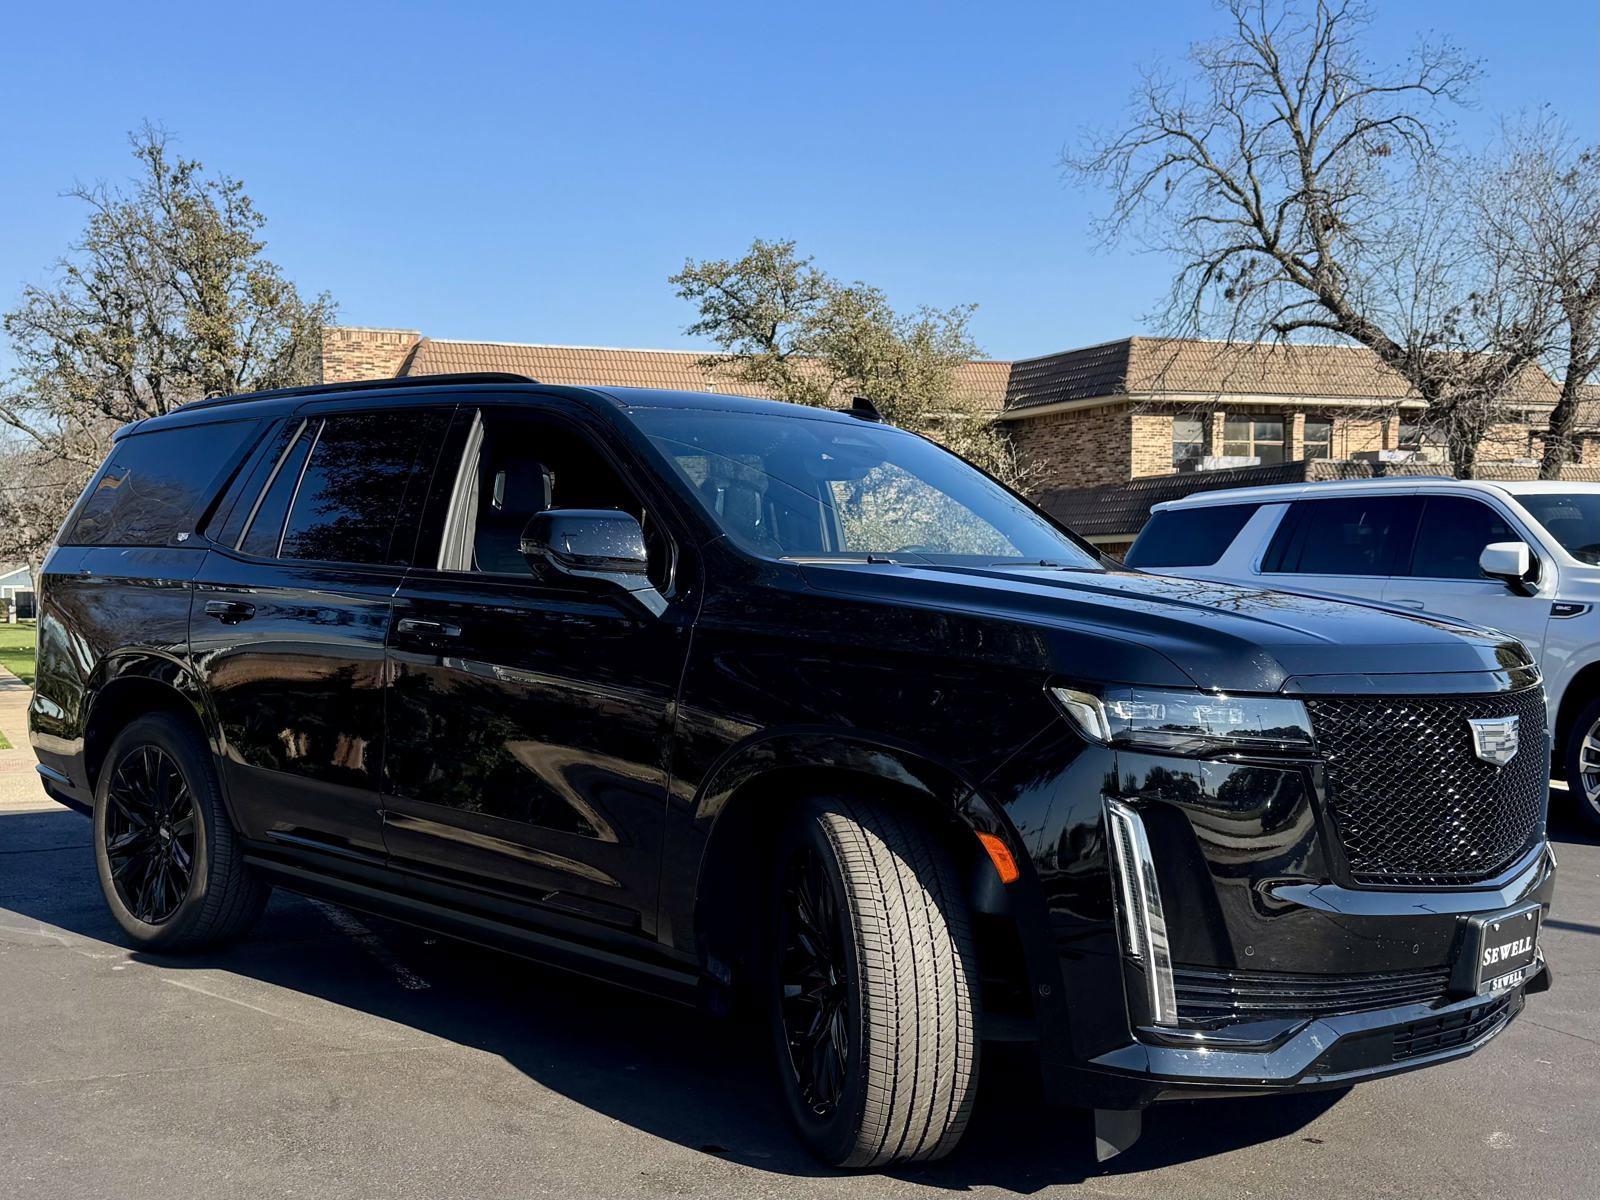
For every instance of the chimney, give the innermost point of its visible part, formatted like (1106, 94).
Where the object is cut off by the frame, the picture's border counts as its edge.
(350, 352)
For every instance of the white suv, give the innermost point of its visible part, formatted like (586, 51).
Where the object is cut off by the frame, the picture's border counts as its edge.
(1523, 558)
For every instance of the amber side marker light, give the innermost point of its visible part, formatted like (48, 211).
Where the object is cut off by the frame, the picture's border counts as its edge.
(1000, 856)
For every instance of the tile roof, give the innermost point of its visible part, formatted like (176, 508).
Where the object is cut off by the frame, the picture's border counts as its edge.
(1119, 510)
(599, 366)
(1151, 366)
(1138, 366)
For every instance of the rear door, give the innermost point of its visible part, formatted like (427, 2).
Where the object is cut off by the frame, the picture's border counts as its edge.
(1443, 578)
(292, 610)
(1345, 545)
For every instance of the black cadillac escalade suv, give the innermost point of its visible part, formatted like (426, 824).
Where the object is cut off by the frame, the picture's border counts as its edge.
(742, 701)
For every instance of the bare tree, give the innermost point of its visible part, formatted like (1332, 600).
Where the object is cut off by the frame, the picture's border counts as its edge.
(1538, 207)
(166, 297)
(1301, 189)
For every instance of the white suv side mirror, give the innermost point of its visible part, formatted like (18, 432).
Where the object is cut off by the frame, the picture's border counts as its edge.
(1511, 562)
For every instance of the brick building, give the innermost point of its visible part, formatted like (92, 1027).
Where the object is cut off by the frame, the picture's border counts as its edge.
(1089, 419)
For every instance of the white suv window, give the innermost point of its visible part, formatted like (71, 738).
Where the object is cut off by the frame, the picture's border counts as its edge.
(1356, 535)
(1453, 533)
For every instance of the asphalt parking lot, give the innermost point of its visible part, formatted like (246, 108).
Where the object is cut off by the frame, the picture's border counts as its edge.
(337, 1056)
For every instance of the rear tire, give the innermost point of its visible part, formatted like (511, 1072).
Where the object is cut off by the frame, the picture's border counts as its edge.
(1582, 756)
(170, 867)
(873, 986)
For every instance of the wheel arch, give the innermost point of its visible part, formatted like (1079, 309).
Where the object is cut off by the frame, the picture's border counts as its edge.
(746, 798)
(1581, 689)
(130, 685)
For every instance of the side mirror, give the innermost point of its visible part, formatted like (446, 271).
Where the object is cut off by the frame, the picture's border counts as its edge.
(602, 545)
(1509, 562)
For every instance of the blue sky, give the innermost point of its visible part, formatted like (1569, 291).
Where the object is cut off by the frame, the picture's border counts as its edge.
(531, 172)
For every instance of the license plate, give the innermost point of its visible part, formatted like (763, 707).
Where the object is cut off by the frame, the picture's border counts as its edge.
(1507, 947)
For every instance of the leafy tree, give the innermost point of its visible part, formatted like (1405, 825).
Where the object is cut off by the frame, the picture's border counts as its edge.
(800, 335)
(166, 297)
(1304, 191)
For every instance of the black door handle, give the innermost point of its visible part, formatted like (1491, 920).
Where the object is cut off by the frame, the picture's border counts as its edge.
(230, 612)
(427, 629)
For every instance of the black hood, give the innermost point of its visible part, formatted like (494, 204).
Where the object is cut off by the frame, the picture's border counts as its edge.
(1161, 630)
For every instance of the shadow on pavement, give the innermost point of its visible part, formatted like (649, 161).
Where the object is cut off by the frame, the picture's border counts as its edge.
(669, 1071)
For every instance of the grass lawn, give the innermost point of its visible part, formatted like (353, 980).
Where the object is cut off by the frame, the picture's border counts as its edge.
(16, 649)
(16, 656)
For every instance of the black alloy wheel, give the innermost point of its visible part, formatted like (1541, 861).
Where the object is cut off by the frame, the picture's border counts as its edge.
(873, 984)
(815, 999)
(150, 834)
(170, 865)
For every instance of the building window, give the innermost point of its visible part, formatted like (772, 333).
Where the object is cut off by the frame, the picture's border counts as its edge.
(1188, 440)
(1318, 440)
(1253, 437)
(1410, 434)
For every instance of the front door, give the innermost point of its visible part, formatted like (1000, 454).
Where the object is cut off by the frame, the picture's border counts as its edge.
(530, 715)
(1444, 578)
(291, 611)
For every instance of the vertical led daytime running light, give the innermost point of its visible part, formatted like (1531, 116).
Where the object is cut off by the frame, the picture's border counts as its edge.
(1144, 925)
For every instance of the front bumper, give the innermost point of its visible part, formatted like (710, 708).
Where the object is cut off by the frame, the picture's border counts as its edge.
(1332, 1051)
(1249, 895)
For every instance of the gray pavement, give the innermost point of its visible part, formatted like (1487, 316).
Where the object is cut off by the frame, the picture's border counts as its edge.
(337, 1056)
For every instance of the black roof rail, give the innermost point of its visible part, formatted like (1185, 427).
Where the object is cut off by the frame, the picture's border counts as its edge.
(364, 385)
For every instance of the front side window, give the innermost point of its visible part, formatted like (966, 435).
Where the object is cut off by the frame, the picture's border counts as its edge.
(1572, 518)
(513, 465)
(154, 484)
(1453, 533)
(1188, 440)
(1357, 536)
(1253, 437)
(1318, 439)
(786, 487)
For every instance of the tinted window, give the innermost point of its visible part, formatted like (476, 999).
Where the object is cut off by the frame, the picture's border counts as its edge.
(354, 485)
(229, 518)
(1189, 537)
(1452, 535)
(155, 484)
(1360, 536)
(282, 477)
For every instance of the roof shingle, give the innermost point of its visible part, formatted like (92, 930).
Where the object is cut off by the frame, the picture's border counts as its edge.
(674, 370)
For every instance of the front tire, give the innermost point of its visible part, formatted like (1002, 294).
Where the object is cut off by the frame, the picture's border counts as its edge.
(170, 867)
(1583, 764)
(873, 986)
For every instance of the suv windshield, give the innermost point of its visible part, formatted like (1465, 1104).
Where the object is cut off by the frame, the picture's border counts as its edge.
(788, 487)
(1573, 519)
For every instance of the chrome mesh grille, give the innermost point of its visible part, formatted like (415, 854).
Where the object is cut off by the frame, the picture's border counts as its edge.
(1413, 803)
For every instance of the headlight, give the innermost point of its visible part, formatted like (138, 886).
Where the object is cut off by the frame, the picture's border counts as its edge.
(1180, 722)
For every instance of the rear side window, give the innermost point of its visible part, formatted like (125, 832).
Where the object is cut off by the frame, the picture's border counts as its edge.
(1189, 537)
(1355, 536)
(266, 525)
(340, 490)
(155, 485)
(1454, 531)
